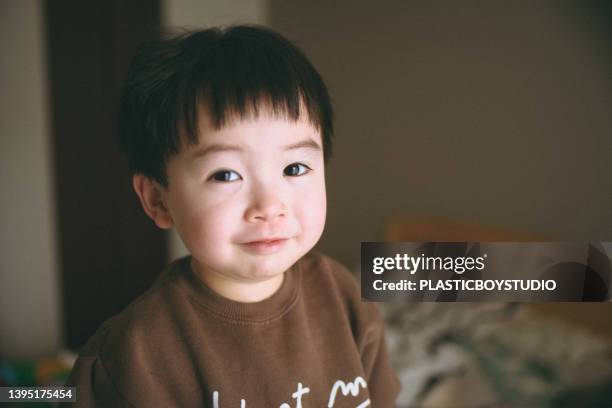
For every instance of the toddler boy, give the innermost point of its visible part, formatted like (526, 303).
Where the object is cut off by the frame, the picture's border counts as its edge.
(227, 132)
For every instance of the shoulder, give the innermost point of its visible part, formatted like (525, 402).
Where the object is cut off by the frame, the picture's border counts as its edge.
(318, 266)
(140, 348)
(137, 324)
(324, 275)
(129, 352)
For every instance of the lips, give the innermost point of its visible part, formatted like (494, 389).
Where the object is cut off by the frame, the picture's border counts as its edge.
(265, 246)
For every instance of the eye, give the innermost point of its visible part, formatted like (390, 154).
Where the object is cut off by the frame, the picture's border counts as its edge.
(225, 176)
(296, 169)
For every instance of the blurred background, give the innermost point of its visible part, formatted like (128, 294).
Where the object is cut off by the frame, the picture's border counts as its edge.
(454, 121)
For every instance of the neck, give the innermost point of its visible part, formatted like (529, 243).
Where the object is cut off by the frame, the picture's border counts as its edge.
(240, 291)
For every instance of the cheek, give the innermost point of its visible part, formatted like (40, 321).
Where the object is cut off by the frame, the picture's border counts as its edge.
(313, 210)
(206, 228)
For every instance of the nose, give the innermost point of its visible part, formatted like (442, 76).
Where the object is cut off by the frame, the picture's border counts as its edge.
(266, 205)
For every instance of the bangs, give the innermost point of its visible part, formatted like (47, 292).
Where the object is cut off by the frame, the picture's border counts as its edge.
(243, 75)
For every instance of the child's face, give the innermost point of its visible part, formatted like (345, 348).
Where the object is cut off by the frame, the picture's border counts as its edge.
(248, 200)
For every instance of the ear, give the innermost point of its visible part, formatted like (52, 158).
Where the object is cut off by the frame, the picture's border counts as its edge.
(152, 198)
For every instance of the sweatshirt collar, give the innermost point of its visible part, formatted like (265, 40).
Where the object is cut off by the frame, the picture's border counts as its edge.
(263, 311)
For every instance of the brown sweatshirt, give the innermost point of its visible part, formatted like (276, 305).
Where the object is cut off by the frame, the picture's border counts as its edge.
(313, 343)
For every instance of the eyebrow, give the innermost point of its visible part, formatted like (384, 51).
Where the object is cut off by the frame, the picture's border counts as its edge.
(222, 147)
(214, 148)
(304, 144)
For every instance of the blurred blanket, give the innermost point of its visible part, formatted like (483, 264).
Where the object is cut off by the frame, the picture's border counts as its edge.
(494, 355)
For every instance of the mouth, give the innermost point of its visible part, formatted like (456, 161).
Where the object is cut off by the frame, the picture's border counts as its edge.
(265, 246)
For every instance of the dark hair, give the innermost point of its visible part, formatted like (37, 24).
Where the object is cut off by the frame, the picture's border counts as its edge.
(232, 71)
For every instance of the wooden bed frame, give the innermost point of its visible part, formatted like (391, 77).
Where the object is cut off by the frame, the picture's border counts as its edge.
(594, 317)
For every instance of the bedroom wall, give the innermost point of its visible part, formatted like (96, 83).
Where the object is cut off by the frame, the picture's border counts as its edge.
(495, 112)
(30, 319)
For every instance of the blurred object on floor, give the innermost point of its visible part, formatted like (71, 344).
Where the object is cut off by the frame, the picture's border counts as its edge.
(504, 354)
(46, 371)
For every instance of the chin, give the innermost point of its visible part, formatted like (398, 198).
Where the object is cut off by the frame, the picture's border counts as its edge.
(268, 268)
